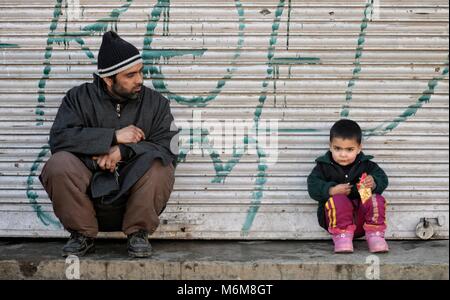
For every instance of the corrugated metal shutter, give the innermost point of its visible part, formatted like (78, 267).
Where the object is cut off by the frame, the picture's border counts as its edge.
(304, 63)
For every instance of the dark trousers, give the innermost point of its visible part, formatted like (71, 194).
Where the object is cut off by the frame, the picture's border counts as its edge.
(66, 180)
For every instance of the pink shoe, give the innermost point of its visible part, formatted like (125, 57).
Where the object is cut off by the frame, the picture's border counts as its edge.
(376, 242)
(343, 242)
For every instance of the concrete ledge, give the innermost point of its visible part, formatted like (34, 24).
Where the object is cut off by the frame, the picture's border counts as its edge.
(228, 260)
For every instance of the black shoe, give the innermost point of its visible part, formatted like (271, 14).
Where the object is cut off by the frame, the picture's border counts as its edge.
(78, 245)
(138, 245)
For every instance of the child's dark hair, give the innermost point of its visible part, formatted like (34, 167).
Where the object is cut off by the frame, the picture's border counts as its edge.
(347, 130)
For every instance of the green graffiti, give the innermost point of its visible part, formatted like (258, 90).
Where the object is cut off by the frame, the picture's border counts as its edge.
(48, 54)
(368, 12)
(200, 137)
(156, 55)
(152, 61)
(2, 45)
(296, 61)
(261, 179)
(32, 196)
(289, 25)
(411, 110)
(110, 21)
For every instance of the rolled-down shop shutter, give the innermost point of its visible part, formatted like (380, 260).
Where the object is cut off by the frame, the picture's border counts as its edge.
(297, 66)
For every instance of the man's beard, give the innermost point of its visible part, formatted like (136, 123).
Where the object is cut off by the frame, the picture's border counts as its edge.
(119, 91)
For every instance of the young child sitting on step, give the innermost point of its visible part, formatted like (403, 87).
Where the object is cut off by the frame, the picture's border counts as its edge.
(348, 187)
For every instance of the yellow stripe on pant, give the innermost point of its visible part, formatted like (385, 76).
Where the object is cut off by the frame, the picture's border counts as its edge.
(331, 210)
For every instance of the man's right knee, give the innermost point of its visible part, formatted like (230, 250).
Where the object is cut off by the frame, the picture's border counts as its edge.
(60, 164)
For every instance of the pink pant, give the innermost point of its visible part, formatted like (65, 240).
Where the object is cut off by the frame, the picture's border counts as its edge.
(344, 214)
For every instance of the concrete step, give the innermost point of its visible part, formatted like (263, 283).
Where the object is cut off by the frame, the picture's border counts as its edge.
(227, 260)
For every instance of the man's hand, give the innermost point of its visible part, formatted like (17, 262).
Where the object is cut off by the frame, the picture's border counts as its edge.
(370, 183)
(341, 189)
(108, 162)
(130, 135)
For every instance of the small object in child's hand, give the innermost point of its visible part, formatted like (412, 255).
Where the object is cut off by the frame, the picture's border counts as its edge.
(364, 192)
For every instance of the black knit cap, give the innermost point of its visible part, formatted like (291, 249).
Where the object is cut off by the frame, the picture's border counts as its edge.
(116, 55)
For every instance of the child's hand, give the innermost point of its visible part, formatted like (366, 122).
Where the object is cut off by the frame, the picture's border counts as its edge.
(341, 189)
(370, 183)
